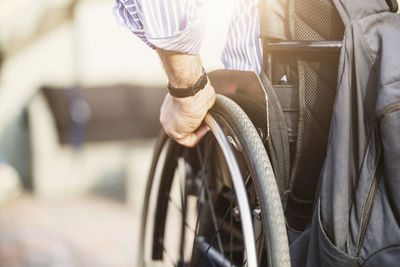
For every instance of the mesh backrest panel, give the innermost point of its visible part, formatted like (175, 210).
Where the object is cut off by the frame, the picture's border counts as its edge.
(316, 21)
(319, 82)
(315, 74)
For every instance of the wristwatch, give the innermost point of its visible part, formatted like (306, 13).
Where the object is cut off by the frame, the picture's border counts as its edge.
(191, 90)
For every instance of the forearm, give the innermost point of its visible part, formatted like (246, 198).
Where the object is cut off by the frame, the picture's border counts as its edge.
(182, 70)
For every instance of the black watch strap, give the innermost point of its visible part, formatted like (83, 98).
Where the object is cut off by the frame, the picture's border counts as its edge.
(190, 90)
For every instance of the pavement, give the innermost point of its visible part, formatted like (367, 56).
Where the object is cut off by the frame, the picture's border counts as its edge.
(84, 231)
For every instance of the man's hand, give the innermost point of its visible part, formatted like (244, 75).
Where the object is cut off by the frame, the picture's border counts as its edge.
(182, 118)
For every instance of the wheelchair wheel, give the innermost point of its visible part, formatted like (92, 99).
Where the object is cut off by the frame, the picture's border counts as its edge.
(196, 213)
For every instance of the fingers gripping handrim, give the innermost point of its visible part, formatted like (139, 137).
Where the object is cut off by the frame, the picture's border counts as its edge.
(194, 138)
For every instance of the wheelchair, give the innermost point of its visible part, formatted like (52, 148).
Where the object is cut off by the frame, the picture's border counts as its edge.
(249, 188)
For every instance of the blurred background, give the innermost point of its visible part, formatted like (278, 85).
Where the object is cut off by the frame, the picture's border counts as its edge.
(79, 107)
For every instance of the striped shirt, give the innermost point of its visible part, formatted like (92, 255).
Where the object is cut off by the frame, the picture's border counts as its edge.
(178, 25)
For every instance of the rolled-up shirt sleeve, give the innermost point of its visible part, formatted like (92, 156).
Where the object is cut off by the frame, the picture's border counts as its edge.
(175, 25)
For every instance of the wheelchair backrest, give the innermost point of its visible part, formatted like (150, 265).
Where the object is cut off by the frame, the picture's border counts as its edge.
(302, 40)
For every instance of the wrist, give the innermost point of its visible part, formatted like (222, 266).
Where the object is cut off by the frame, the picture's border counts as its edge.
(185, 78)
(190, 90)
(205, 97)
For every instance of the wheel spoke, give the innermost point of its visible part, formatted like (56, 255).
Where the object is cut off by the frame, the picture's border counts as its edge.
(200, 193)
(183, 211)
(258, 232)
(231, 238)
(214, 217)
(207, 249)
(247, 178)
(220, 224)
(234, 232)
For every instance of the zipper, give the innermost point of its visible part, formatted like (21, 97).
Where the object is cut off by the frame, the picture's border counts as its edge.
(369, 204)
(374, 185)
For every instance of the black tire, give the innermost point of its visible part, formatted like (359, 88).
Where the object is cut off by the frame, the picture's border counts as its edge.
(262, 192)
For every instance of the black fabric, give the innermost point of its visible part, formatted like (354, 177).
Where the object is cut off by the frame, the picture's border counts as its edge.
(288, 96)
(315, 21)
(278, 140)
(298, 214)
(317, 90)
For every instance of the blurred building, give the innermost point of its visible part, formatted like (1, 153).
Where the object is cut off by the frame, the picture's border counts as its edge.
(67, 44)
(77, 46)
